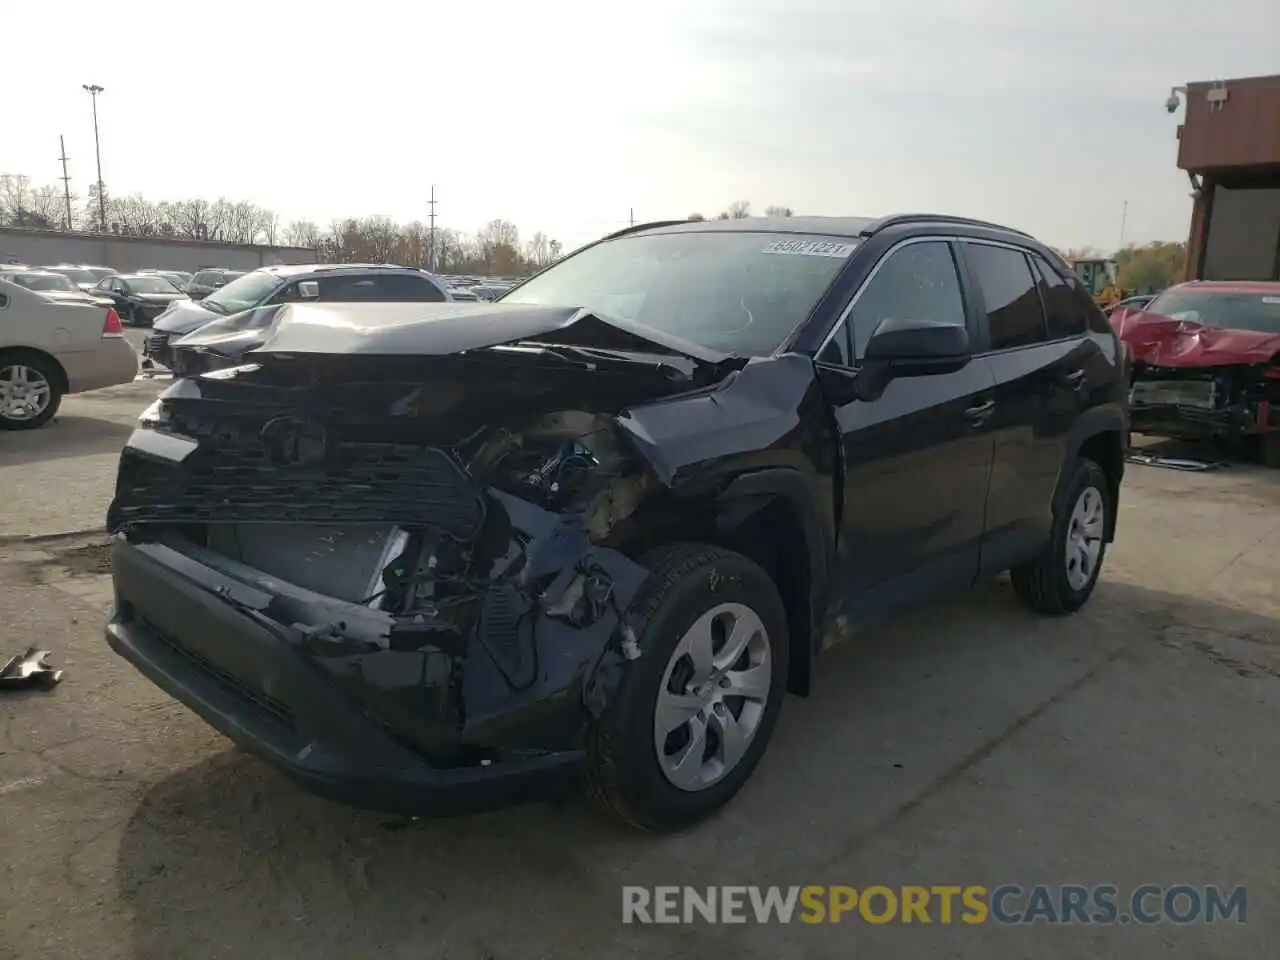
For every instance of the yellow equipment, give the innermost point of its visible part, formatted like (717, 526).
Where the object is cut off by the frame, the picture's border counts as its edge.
(1099, 278)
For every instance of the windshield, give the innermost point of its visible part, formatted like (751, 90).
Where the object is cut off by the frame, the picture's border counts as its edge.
(151, 285)
(44, 281)
(734, 292)
(243, 292)
(1226, 310)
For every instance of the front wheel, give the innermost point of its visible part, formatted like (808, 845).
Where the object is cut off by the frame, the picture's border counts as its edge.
(694, 712)
(1062, 578)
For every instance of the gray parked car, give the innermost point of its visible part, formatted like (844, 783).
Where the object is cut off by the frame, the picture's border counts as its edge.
(270, 286)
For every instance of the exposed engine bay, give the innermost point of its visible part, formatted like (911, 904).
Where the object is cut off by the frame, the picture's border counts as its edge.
(367, 533)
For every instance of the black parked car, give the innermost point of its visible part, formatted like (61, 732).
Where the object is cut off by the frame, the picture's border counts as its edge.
(139, 297)
(438, 557)
(206, 281)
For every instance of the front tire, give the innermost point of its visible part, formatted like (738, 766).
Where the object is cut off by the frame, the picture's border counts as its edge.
(694, 712)
(1062, 578)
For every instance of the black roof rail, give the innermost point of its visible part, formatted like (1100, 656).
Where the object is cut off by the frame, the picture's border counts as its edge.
(898, 219)
(644, 226)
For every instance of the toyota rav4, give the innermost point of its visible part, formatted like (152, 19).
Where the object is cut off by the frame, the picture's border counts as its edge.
(437, 557)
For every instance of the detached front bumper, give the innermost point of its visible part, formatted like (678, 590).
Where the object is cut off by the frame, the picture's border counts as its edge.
(190, 630)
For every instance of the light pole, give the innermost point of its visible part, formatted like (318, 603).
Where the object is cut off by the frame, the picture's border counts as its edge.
(93, 90)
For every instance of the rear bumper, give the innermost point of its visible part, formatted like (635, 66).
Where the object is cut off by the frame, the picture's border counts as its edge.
(276, 703)
(112, 363)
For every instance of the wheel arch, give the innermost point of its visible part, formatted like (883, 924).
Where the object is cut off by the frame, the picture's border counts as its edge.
(35, 353)
(771, 516)
(1101, 437)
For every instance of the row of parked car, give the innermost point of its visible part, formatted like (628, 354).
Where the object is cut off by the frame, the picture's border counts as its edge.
(62, 325)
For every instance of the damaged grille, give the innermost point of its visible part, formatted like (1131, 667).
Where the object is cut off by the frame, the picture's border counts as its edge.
(355, 483)
(1183, 393)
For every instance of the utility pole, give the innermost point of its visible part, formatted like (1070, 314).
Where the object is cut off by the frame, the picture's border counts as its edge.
(631, 216)
(93, 90)
(431, 244)
(1124, 220)
(66, 180)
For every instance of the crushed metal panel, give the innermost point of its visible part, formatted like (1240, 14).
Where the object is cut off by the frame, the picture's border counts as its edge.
(29, 669)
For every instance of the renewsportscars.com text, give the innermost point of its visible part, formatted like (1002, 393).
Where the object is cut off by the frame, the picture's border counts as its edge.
(943, 904)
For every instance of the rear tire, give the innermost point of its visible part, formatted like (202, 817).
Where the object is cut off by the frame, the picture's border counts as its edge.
(634, 771)
(1062, 578)
(1269, 449)
(27, 368)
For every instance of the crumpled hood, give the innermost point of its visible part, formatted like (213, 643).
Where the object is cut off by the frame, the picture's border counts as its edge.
(183, 316)
(427, 329)
(1165, 342)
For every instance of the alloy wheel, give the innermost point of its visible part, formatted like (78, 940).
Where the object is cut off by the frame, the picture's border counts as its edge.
(24, 392)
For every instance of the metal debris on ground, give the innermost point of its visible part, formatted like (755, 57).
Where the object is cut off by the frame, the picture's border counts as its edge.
(29, 669)
(1173, 463)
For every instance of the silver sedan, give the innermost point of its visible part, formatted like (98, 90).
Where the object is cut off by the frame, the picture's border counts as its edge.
(50, 347)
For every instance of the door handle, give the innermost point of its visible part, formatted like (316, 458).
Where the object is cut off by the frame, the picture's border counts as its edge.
(979, 412)
(1075, 379)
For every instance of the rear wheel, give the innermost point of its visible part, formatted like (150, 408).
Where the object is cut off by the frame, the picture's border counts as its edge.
(1061, 579)
(694, 712)
(1269, 449)
(30, 391)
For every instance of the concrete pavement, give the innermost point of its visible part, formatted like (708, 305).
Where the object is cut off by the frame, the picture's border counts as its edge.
(968, 743)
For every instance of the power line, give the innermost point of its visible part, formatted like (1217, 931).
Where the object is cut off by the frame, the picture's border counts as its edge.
(66, 180)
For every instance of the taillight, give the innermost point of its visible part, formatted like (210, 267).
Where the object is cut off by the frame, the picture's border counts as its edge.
(112, 327)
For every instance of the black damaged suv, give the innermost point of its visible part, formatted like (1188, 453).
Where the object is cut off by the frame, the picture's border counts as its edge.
(436, 557)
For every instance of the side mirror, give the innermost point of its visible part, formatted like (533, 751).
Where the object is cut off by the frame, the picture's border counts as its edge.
(918, 348)
(309, 289)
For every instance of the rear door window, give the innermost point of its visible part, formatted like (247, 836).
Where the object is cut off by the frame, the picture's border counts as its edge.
(1015, 317)
(406, 287)
(1066, 315)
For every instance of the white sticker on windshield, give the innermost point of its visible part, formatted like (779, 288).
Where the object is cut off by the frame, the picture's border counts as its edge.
(1271, 299)
(810, 248)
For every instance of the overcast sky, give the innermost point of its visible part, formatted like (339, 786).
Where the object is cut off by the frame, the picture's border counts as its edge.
(563, 116)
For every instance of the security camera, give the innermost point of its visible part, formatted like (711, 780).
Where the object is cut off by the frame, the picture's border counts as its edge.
(1172, 103)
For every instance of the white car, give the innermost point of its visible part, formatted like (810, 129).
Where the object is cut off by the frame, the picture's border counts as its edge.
(51, 347)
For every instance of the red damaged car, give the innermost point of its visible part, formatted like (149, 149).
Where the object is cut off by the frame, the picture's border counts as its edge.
(1206, 363)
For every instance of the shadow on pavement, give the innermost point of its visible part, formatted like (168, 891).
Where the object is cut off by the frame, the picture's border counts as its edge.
(64, 436)
(228, 858)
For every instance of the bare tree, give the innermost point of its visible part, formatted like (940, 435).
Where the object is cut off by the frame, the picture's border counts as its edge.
(495, 249)
(302, 233)
(379, 236)
(500, 246)
(269, 226)
(15, 197)
(48, 207)
(538, 250)
(739, 210)
(779, 212)
(191, 219)
(136, 215)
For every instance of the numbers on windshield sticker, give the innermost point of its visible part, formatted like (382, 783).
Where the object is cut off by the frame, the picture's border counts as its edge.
(810, 248)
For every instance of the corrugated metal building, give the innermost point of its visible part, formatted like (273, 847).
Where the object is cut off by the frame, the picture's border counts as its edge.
(1229, 144)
